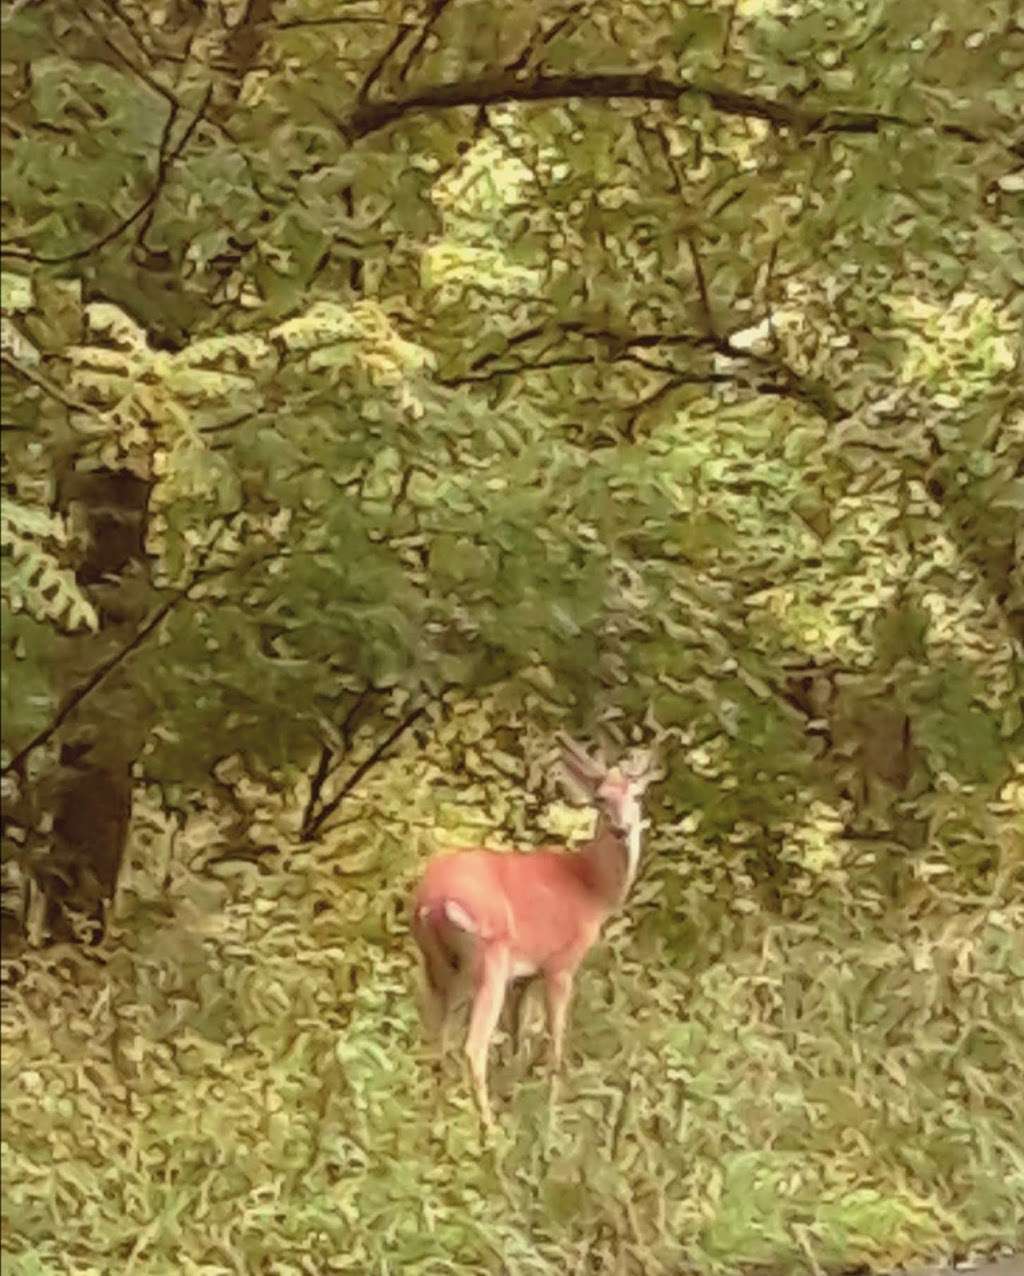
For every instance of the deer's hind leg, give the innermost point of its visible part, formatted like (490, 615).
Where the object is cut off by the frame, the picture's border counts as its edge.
(490, 981)
(441, 987)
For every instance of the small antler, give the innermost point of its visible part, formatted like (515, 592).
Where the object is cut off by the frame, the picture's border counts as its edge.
(578, 758)
(581, 772)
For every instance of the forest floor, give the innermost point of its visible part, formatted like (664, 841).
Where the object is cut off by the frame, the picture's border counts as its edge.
(236, 1082)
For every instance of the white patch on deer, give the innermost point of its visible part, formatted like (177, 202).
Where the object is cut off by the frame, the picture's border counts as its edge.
(521, 968)
(632, 850)
(458, 916)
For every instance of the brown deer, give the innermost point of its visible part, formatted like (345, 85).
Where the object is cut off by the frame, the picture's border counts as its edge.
(484, 919)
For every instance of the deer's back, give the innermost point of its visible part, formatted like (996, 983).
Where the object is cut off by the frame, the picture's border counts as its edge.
(537, 902)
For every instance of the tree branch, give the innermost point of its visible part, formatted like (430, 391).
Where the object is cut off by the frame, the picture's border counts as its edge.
(294, 24)
(45, 384)
(673, 381)
(98, 675)
(150, 81)
(437, 10)
(316, 784)
(783, 381)
(103, 671)
(702, 285)
(541, 39)
(506, 86)
(166, 158)
(375, 72)
(311, 829)
(329, 752)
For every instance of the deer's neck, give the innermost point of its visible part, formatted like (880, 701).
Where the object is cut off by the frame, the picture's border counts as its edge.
(611, 861)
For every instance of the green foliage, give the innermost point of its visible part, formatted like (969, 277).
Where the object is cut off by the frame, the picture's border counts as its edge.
(425, 408)
(34, 579)
(582, 363)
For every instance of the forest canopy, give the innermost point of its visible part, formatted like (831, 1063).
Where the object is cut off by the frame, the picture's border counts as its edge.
(388, 386)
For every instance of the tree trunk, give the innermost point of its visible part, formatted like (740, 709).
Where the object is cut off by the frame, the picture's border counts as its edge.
(91, 794)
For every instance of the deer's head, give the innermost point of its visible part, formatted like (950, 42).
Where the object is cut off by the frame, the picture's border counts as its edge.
(616, 791)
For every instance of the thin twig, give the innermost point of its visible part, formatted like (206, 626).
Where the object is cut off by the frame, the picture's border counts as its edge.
(329, 754)
(316, 784)
(539, 41)
(348, 722)
(433, 18)
(361, 770)
(102, 672)
(45, 384)
(374, 74)
(166, 158)
(294, 24)
(702, 285)
(784, 380)
(150, 81)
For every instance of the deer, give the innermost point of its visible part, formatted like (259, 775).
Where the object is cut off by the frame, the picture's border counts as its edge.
(486, 920)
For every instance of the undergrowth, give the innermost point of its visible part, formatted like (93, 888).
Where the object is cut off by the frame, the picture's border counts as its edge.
(235, 1081)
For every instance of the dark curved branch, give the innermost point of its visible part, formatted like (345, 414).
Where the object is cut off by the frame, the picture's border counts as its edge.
(616, 343)
(505, 86)
(490, 90)
(533, 49)
(787, 383)
(166, 158)
(331, 756)
(342, 20)
(767, 374)
(673, 381)
(98, 675)
(560, 361)
(316, 783)
(43, 383)
(375, 72)
(150, 81)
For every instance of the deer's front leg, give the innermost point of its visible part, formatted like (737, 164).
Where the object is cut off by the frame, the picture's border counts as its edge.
(515, 999)
(558, 987)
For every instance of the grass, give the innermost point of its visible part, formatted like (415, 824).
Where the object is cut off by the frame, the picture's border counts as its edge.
(237, 1082)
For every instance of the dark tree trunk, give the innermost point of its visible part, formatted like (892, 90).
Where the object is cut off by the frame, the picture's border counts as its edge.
(90, 830)
(91, 801)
